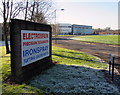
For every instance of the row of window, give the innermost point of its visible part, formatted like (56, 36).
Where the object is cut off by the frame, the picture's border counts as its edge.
(65, 26)
(83, 27)
(64, 30)
(78, 27)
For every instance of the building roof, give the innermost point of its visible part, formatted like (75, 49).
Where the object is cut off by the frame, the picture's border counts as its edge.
(82, 25)
(64, 24)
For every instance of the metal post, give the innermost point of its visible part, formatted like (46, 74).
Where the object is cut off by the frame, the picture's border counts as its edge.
(109, 67)
(56, 27)
(113, 69)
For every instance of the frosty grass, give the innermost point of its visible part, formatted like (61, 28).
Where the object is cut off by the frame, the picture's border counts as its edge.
(74, 79)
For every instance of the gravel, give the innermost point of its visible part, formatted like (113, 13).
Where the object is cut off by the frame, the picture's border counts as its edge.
(73, 79)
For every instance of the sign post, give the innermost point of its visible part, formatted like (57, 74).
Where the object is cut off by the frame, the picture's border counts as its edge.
(30, 49)
(111, 62)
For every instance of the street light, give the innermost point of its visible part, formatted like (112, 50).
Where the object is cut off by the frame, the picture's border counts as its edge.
(56, 23)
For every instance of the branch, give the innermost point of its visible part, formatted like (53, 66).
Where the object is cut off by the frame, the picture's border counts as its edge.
(1, 10)
(33, 10)
(7, 7)
(26, 10)
(11, 10)
(16, 12)
(4, 11)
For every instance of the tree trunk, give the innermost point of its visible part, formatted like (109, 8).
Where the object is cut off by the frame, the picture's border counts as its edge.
(26, 10)
(5, 37)
(5, 28)
(6, 44)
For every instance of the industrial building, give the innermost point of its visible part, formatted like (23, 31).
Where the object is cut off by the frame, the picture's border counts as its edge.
(66, 29)
(81, 29)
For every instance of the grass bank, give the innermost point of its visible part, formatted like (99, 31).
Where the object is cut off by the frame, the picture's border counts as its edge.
(6, 72)
(71, 57)
(60, 55)
(62, 35)
(108, 39)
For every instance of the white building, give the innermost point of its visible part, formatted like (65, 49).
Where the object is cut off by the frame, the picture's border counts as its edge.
(65, 29)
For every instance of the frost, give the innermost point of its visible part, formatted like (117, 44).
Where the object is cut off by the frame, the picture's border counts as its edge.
(74, 79)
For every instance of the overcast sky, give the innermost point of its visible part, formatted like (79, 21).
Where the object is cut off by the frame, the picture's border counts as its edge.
(98, 13)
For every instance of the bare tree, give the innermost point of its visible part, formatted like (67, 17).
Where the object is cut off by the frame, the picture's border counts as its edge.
(38, 10)
(9, 10)
(33, 10)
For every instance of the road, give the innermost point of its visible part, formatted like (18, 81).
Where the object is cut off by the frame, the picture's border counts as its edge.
(2, 43)
(97, 49)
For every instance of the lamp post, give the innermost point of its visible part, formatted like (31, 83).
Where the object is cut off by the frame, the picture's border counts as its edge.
(56, 29)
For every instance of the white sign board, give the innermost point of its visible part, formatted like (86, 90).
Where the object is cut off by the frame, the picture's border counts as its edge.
(34, 46)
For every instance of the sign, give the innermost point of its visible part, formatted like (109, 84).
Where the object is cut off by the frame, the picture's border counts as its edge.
(35, 46)
(30, 44)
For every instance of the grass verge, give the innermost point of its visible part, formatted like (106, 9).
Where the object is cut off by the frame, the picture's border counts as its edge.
(108, 39)
(60, 55)
(6, 72)
(72, 57)
(62, 35)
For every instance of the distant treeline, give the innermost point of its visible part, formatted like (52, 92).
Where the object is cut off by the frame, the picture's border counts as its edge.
(114, 32)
